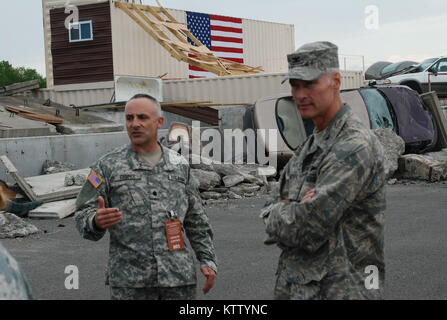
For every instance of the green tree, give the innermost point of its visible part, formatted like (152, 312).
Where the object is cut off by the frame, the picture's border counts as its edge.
(10, 75)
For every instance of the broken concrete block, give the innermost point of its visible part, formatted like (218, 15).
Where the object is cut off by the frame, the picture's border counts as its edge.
(11, 226)
(79, 179)
(206, 179)
(231, 181)
(201, 163)
(232, 195)
(226, 169)
(422, 167)
(392, 181)
(219, 189)
(253, 179)
(69, 180)
(266, 172)
(245, 188)
(210, 195)
(50, 167)
(393, 147)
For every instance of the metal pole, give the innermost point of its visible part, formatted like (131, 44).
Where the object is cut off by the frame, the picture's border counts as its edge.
(429, 83)
(363, 63)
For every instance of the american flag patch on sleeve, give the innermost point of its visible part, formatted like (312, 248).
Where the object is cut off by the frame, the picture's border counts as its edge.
(95, 180)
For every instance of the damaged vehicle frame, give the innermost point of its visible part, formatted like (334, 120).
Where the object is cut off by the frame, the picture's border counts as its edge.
(398, 108)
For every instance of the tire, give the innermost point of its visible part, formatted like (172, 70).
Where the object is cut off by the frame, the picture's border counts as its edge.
(413, 85)
(432, 145)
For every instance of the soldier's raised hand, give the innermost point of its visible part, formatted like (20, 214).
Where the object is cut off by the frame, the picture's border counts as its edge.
(105, 217)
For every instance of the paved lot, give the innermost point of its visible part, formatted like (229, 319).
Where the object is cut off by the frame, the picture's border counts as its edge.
(415, 251)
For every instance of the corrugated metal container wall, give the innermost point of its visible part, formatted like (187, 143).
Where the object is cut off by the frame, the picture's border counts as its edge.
(236, 89)
(240, 89)
(266, 44)
(136, 53)
(82, 97)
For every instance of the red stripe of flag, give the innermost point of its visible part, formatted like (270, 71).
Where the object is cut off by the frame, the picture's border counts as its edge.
(227, 19)
(225, 49)
(226, 39)
(226, 29)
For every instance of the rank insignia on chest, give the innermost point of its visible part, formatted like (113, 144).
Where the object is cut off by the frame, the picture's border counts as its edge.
(95, 180)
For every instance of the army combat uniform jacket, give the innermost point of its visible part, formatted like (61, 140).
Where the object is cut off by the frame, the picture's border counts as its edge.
(139, 253)
(329, 242)
(13, 284)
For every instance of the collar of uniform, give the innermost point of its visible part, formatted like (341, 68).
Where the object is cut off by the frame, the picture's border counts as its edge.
(137, 164)
(334, 127)
(166, 159)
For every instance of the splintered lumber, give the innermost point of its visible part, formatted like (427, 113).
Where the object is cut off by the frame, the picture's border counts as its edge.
(172, 35)
(19, 87)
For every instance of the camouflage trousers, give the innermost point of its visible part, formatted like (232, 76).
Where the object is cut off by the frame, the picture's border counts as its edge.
(175, 293)
(332, 287)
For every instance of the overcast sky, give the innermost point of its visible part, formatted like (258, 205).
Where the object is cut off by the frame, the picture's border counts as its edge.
(406, 29)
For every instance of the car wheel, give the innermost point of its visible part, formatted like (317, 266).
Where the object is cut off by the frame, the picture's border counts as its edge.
(413, 85)
(432, 145)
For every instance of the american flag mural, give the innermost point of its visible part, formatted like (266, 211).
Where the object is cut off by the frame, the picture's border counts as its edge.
(222, 35)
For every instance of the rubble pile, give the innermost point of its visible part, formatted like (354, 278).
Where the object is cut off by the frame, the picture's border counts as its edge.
(228, 181)
(12, 226)
(430, 167)
(50, 167)
(74, 180)
(393, 147)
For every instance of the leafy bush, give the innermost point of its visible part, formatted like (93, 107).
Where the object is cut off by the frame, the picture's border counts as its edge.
(10, 75)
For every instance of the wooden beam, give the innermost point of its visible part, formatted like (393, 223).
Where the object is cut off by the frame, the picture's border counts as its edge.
(12, 170)
(123, 7)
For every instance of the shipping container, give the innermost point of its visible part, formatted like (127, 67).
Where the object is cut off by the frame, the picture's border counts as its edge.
(119, 46)
(223, 90)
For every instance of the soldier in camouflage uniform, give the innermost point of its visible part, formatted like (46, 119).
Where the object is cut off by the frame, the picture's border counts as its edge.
(327, 214)
(147, 186)
(13, 284)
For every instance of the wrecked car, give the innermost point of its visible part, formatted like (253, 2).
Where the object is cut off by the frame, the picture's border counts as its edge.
(397, 108)
(417, 77)
(396, 68)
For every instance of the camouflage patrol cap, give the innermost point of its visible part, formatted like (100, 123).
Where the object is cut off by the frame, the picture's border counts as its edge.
(311, 60)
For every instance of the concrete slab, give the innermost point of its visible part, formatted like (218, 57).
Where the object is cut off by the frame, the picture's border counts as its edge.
(72, 120)
(13, 126)
(90, 128)
(52, 183)
(54, 210)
